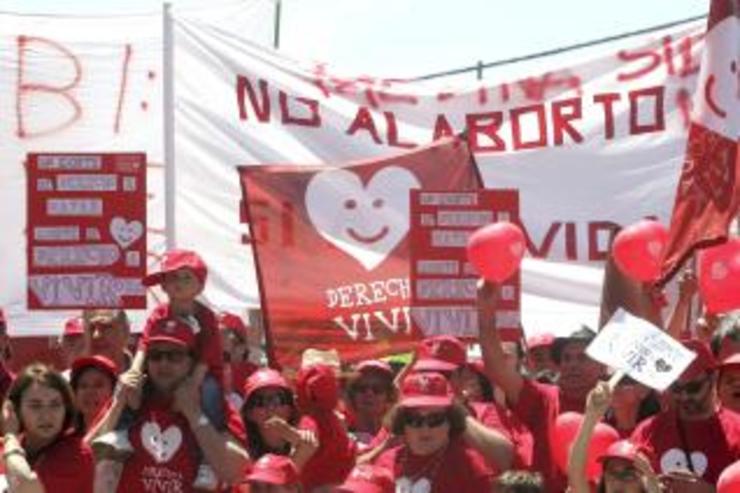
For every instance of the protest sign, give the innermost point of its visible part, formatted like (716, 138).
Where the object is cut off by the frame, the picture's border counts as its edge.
(641, 350)
(337, 274)
(86, 230)
(443, 282)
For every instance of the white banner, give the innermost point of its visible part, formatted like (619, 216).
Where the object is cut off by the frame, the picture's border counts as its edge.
(590, 138)
(641, 350)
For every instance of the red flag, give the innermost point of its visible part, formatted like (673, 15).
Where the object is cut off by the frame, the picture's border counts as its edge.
(332, 249)
(708, 192)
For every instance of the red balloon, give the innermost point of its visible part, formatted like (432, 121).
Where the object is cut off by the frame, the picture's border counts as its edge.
(496, 250)
(729, 480)
(719, 276)
(566, 429)
(638, 250)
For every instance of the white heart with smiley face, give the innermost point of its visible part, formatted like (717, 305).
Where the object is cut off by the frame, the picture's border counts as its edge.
(365, 221)
(161, 444)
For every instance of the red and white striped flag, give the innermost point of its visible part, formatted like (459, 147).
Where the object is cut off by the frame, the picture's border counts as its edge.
(708, 193)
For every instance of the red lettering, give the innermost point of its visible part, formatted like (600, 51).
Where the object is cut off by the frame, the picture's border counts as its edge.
(653, 61)
(313, 120)
(571, 241)
(658, 123)
(668, 54)
(561, 119)
(689, 65)
(364, 121)
(607, 100)
(26, 89)
(482, 95)
(594, 230)
(544, 249)
(261, 108)
(393, 140)
(442, 127)
(487, 124)
(516, 127)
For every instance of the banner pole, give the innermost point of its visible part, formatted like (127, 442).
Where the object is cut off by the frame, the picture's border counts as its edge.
(168, 112)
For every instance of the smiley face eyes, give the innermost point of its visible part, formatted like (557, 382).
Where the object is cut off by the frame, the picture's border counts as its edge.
(351, 204)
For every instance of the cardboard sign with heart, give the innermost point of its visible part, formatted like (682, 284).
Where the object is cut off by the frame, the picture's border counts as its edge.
(366, 222)
(161, 444)
(125, 233)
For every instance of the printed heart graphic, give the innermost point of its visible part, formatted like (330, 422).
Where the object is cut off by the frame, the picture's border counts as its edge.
(404, 485)
(366, 222)
(161, 445)
(125, 233)
(662, 366)
(517, 248)
(719, 271)
(675, 460)
(655, 248)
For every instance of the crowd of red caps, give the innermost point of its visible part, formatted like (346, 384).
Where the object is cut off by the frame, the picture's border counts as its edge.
(441, 423)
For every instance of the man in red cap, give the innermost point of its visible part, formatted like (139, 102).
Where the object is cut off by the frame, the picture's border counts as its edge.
(538, 405)
(274, 474)
(539, 353)
(171, 433)
(370, 393)
(72, 341)
(235, 341)
(695, 434)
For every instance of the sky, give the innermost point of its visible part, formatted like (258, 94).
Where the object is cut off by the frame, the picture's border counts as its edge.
(409, 38)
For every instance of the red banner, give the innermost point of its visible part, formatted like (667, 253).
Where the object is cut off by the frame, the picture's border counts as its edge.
(443, 282)
(708, 193)
(86, 230)
(332, 250)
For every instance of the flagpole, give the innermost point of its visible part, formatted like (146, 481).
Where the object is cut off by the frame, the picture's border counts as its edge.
(168, 113)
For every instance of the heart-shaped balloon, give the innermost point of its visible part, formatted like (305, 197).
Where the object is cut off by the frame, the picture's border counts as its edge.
(496, 250)
(719, 276)
(638, 250)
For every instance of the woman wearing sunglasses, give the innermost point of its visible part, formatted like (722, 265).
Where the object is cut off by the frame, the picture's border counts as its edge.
(270, 415)
(625, 468)
(433, 457)
(370, 394)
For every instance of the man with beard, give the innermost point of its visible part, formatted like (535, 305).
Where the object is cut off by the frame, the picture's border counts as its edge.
(696, 438)
(538, 405)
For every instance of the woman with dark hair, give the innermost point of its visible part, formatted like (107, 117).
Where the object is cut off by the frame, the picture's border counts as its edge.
(270, 415)
(625, 468)
(433, 457)
(42, 453)
(370, 395)
(93, 380)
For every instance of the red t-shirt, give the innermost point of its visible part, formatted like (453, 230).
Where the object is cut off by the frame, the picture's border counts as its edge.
(335, 458)
(166, 451)
(459, 469)
(713, 443)
(65, 465)
(538, 408)
(497, 417)
(209, 348)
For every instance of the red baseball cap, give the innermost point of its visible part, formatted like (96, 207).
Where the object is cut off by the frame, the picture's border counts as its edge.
(97, 361)
(374, 365)
(274, 469)
(427, 389)
(441, 353)
(173, 330)
(73, 327)
(731, 361)
(232, 321)
(264, 378)
(366, 478)
(545, 339)
(178, 259)
(703, 363)
(621, 449)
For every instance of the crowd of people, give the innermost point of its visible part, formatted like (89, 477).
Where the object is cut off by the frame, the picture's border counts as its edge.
(186, 411)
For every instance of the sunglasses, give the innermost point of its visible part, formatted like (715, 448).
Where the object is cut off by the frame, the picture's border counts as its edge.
(271, 400)
(691, 388)
(414, 420)
(375, 388)
(628, 474)
(170, 356)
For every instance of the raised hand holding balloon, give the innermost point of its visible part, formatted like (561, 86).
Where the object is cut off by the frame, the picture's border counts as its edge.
(638, 250)
(496, 250)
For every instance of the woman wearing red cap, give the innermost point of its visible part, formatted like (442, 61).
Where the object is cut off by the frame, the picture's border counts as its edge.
(370, 394)
(270, 415)
(625, 468)
(93, 379)
(42, 453)
(433, 457)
